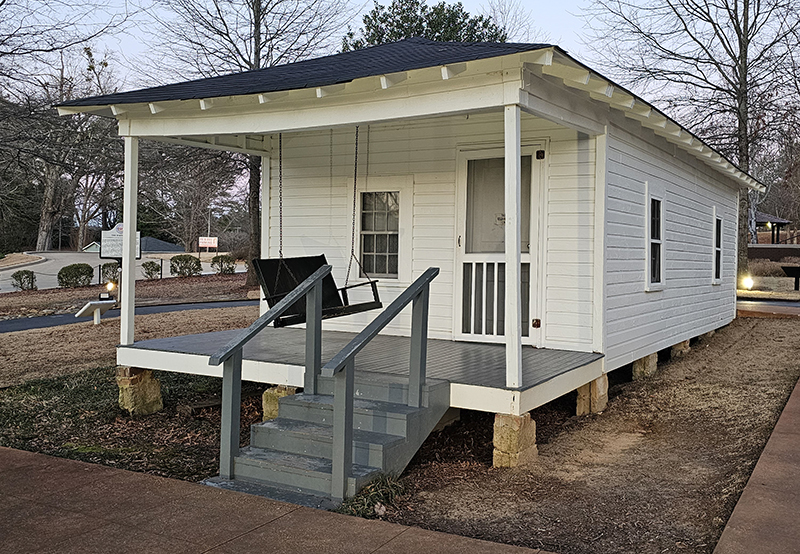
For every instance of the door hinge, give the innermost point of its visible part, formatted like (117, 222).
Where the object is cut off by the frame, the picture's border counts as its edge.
(540, 154)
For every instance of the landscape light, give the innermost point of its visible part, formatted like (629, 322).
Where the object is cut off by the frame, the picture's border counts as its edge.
(109, 288)
(747, 282)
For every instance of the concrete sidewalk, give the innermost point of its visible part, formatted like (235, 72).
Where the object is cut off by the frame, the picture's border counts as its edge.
(765, 519)
(61, 506)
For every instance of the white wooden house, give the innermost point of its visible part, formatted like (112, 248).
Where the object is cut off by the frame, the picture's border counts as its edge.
(622, 224)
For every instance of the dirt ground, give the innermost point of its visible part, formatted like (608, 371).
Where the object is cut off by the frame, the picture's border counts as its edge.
(55, 351)
(659, 471)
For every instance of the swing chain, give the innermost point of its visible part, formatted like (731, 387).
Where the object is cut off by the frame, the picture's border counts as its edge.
(280, 195)
(355, 205)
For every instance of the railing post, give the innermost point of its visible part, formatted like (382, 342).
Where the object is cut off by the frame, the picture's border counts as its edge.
(313, 338)
(342, 429)
(419, 347)
(231, 408)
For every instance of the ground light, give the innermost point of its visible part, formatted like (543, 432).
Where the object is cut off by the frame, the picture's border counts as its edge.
(110, 286)
(747, 282)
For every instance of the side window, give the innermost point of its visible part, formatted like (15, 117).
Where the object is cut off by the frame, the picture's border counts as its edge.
(380, 224)
(717, 249)
(655, 243)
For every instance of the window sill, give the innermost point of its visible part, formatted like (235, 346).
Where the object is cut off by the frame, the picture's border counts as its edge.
(656, 287)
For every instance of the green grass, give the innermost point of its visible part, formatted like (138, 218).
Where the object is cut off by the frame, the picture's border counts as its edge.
(77, 416)
(374, 498)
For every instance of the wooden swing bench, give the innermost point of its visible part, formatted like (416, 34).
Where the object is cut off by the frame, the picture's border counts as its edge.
(280, 276)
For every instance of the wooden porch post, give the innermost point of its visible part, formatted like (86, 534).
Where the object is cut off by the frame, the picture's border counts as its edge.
(513, 239)
(265, 205)
(127, 290)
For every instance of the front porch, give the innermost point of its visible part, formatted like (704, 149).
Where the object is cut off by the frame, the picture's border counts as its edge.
(476, 371)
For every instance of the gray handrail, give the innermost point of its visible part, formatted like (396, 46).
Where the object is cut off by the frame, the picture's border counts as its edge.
(274, 313)
(339, 361)
(342, 368)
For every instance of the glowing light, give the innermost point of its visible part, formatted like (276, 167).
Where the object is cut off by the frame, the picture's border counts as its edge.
(110, 286)
(747, 282)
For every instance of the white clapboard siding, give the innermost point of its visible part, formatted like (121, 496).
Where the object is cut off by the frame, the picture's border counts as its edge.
(569, 237)
(317, 210)
(639, 323)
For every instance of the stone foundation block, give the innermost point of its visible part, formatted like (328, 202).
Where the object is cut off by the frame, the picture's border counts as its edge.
(270, 398)
(584, 404)
(645, 367)
(680, 349)
(599, 394)
(139, 391)
(592, 397)
(514, 440)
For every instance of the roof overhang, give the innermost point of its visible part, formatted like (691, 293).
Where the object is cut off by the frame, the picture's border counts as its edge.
(238, 123)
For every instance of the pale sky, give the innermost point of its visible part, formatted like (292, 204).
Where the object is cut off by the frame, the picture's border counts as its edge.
(554, 22)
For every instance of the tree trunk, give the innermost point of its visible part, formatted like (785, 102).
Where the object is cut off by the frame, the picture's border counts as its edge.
(44, 238)
(253, 205)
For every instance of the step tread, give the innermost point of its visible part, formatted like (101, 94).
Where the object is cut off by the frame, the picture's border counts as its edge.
(359, 404)
(298, 461)
(325, 432)
(275, 491)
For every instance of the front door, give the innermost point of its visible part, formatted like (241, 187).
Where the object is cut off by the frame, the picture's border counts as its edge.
(480, 299)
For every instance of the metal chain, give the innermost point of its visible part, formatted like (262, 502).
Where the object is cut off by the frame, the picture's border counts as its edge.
(355, 202)
(280, 195)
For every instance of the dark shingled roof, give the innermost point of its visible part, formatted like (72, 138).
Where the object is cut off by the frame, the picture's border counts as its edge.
(762, 218)
(405, 55)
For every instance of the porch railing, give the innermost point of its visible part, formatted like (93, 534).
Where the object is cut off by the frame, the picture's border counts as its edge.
(230, 356)
(342, 368)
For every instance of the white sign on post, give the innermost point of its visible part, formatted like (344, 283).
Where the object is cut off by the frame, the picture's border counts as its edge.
(208, 242)
(111, 243)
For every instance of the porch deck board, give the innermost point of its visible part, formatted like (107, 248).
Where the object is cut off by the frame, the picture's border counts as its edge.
(470, 363)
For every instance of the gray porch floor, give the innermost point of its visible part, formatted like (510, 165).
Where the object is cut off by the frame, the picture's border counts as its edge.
(469, 363)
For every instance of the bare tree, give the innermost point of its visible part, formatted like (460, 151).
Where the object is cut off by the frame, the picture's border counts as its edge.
(215, 37)
(31, 31)
(514, 18)
(722, 65)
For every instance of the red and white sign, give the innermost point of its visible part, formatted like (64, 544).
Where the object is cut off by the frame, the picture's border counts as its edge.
(208, 242)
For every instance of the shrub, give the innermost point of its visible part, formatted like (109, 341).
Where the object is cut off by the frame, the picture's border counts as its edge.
(765, 268)
(185, 265)
(75, 275)
(223, 264)
(110, 272)
(24, 279)
(151, 270)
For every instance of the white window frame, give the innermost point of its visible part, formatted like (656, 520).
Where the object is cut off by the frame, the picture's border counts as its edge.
(654, 193)
(715, 249)
(403, 184)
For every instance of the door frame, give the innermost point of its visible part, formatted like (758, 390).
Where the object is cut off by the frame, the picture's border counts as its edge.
(538, 236)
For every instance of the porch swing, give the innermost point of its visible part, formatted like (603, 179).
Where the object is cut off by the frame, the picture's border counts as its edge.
(280, 276)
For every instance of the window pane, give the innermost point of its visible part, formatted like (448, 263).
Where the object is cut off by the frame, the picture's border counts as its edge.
(380, 201)
(393, 223)
(719, 233)
(393, 244)
(368, 201)
(380, 221)
(368, 263)
(380, 243)
(393, 200)
(392, 264)
(369, 243)
(717, 264)
(655, 262)
(367, 222)
(655, 219)
(380, 263)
